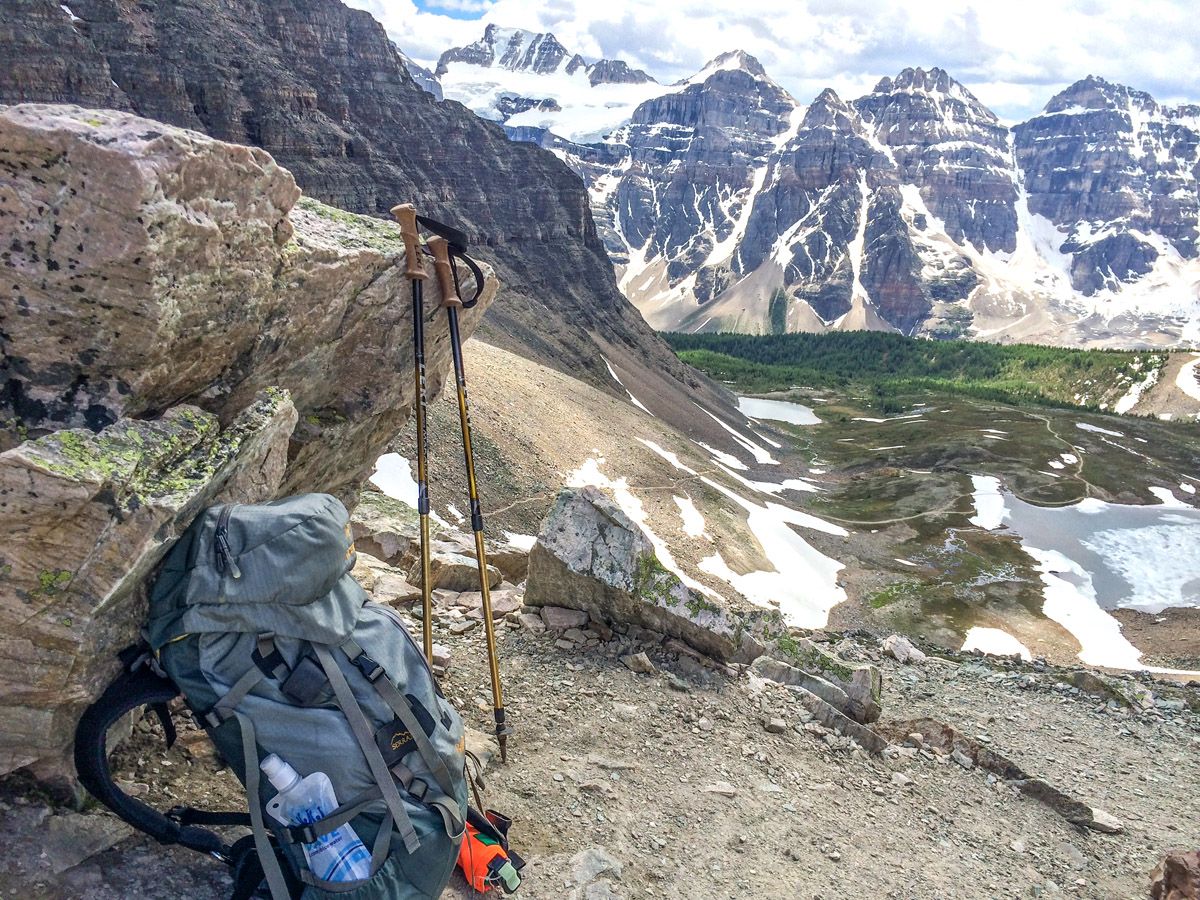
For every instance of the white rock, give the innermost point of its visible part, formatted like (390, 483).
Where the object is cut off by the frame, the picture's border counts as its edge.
(640, 663)
(724, 788)
(901, 649)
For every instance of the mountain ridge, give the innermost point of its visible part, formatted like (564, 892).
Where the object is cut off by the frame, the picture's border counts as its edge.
(975, 228)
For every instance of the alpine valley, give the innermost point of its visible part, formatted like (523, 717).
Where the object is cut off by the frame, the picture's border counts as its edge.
(729, 205)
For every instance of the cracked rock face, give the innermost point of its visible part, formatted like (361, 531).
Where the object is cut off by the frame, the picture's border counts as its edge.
(592, 557)
(88, 515)
(179, 328)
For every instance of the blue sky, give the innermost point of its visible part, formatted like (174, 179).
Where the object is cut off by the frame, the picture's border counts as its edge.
(465, 10)
(1014, 55)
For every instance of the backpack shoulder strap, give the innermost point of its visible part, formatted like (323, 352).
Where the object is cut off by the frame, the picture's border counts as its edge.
(137, 687)
(366, 741)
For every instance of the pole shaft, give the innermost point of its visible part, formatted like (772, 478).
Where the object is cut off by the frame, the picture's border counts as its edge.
(422, 473)
(464, 416)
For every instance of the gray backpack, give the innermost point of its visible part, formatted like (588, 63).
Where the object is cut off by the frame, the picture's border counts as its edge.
(276, 648)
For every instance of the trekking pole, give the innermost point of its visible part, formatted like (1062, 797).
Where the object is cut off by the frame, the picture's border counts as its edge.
(451, 301)
(406, 215)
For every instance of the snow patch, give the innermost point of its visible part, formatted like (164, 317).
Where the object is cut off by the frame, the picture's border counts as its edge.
(995, 642)
(1070, 600)
(1096, 429)
(1188, 379)
(632, 399)
(1130, 400)
(588, 114)
(761, 455)
(890, 419)
(804, 584)
(731, 461)
(777, 410)
(521, 541)
(1167, 498)
(393, 476)
(990, 509)
(693, 521)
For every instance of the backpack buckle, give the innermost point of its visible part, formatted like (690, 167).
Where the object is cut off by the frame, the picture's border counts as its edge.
(371, 670)
(302, 834)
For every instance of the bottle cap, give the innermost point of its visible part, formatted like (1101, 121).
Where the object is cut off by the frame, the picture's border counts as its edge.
(280, 774)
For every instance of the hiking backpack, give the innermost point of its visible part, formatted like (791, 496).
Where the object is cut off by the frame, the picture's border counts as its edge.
(256, 620)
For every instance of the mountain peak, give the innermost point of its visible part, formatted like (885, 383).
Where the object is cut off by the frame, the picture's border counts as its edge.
(732, 60)
(509, 48)
(828, 110)
(935, 80)
(1094, 92)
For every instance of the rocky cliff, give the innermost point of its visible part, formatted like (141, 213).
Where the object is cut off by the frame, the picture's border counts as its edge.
(179, 327)
(1116, 172)
(323, 89)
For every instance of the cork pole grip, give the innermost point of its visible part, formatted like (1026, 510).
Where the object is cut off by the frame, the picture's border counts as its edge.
(406, 215)
(441, 264)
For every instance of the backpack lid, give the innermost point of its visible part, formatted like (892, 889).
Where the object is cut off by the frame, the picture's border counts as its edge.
(290, 573)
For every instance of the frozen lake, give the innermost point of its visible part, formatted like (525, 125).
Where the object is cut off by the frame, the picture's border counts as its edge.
(1094, 557)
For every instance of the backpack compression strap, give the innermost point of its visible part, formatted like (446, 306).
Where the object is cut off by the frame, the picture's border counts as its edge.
(133, 689)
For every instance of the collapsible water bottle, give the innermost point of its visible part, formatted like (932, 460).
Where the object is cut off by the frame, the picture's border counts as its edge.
(336, 856)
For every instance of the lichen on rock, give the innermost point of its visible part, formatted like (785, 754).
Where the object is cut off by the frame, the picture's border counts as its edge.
(88, 516)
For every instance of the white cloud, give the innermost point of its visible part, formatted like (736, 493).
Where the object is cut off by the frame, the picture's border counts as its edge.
(1013, 55)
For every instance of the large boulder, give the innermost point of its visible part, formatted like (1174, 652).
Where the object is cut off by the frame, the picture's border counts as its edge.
(178, 328)
(148, 265)
(86, 518)
(1177, 877)
(591, 556)
(852, 689)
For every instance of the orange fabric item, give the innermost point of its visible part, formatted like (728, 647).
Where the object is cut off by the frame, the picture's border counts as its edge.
(474, 857)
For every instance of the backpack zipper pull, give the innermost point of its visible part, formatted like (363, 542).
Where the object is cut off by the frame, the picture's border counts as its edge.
(225, 557)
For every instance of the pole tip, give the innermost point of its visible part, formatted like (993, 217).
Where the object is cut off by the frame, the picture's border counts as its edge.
(503, 739)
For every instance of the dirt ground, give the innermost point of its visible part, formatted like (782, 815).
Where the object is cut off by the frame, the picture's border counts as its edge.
(669, 785)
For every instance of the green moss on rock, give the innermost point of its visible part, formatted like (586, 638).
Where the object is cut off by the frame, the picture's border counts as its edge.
(354, 231)
(655, 584)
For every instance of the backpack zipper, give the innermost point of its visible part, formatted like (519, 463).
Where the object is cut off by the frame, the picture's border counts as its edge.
(225, 558)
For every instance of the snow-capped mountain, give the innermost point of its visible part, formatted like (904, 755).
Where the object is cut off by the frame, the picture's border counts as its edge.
(728, 205)
(528, 80)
